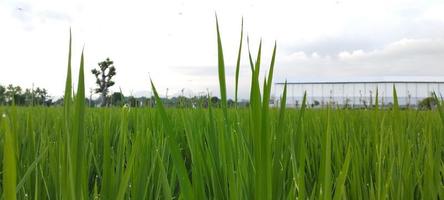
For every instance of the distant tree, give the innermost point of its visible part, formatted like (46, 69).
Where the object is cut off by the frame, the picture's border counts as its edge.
(103, 78)
(24, 97)
(59, 102)
(315, 103)
(14, 94)
(28, 95)
(48, 102)
(2, 95)
(132, 101)
(117, 99)
(230, 103)
(215, 101)
(427, 103)
(40, 96)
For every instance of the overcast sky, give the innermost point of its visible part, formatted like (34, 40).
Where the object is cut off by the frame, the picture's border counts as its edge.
(175, 41)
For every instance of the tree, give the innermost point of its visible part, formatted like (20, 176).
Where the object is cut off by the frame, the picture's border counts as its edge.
(103, 78)
(14, 94)
(215, 101)
(40, 96)
(59, 102)
(230, 103)
(428, 103)
(315, 103)
(29, 97)
(2, 95)
(132, 101)
(117, 99)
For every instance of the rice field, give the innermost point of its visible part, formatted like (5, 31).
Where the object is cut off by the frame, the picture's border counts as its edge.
(76, 152)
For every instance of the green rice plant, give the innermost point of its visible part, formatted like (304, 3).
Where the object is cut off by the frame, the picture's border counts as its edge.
(258, 119)
(238, 63)
(9, 160)
(185, 184)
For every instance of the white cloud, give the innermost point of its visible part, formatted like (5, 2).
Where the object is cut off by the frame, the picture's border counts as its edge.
(315, 55)
(296, 56)
(402, 49)
(406, 57)
(345, 55)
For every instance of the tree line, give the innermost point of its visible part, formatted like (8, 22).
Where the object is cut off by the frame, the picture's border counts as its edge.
(118, 99)
(15, 95)
(11, 94)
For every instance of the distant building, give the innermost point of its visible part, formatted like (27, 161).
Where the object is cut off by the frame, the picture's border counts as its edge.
(360, 93)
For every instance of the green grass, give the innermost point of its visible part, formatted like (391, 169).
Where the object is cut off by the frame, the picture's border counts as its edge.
(257, 152)
(136, 148)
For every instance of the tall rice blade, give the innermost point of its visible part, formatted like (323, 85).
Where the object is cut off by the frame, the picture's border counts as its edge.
(67, 163)
(255, 94)
(173, 147)
(225, 148)
(227, 142)
(266, 134)
(68, 84)
(257, 64)
(221, 67)
(78, 130)
(267, 87)
(256, 132)
(249, 55)
(238, 63)
(9, 161)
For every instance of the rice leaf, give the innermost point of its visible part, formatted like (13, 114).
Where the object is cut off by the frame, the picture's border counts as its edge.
(173, 147)
(238, 63)
(221, 71)
(9, 161)
(79, 134)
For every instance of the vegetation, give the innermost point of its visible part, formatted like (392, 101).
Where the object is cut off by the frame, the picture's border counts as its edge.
(103, 78)
(428, 103)
(14, 95)
(257, 152)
